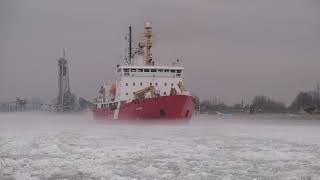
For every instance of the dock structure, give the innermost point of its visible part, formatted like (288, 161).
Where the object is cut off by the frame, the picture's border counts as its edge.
(22, 104)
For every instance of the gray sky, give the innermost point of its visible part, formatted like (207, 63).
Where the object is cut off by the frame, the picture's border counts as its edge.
(232, 49)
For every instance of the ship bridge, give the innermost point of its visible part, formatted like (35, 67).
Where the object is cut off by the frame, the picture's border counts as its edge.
(153, 71)
(132, 79)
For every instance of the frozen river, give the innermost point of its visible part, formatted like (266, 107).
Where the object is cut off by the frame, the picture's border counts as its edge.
(40, 146)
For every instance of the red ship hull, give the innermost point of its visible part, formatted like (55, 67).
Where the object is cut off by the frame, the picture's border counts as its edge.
(178, 107)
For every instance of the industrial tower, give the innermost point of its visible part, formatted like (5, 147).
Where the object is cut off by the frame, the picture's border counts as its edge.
(65, 98)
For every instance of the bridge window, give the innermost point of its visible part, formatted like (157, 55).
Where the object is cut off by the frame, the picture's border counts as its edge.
(146, 70)
(153, 70)
(126, 70)
(173, 70)
(133, 70)
(166, 70)
(140, 70)
(160, 70)
(179, 71)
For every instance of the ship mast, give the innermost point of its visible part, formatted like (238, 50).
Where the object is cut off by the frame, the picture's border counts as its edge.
(130, 45)
(148, 45)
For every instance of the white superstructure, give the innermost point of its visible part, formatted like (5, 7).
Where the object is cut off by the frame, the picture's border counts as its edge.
(134, 78)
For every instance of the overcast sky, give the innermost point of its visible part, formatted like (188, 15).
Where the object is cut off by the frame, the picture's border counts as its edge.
(232, 49)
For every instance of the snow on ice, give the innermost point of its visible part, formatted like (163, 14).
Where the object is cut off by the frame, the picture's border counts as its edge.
(46, 146)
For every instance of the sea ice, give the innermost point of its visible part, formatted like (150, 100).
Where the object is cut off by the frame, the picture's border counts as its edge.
(46, 146)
